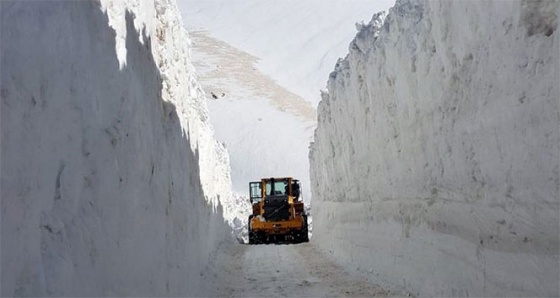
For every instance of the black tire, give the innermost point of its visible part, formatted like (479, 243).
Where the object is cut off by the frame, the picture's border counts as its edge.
(305, 231)
(264, 239)
(294, 235)
(252, 238)
(252, 235)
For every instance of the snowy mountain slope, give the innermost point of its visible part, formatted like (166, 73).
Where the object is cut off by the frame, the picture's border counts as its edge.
(297, 41)
(111, 180)
(435, 164)
(265, 127)
(258, 54)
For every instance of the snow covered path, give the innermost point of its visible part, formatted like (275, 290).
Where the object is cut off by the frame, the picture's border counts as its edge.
(285, 271)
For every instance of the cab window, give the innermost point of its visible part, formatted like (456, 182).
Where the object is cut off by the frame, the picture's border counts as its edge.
(280, 187)
(255, 189)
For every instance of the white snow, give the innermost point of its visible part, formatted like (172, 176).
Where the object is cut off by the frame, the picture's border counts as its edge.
(263, 60)
(266, 128)
(297, 41)
(435, 165)
(111, 181)
(285, 271)
(271, 137)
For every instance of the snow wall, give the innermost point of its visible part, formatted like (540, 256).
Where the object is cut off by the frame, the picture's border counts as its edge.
(435, 165)
(111, 180)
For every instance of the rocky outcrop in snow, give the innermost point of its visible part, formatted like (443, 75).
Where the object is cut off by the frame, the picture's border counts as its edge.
(435, 165)
(111, 180)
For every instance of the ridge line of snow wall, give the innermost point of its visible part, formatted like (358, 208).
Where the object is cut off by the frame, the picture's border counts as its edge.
(111, 179)
(435, 164)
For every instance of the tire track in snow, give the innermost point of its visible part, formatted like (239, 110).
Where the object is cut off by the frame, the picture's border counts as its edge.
(285, 271)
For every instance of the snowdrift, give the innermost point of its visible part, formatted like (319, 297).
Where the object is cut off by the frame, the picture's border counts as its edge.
(435, 165)
(111, 180)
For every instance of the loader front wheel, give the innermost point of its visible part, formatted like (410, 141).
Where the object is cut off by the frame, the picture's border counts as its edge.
(305, 230)
(252, 235)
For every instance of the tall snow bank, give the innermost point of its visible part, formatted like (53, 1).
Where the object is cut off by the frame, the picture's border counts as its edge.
(435, 165)
(111, 180)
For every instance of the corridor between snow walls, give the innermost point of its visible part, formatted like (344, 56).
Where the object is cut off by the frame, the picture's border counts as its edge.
(111, 179)
(435, 165)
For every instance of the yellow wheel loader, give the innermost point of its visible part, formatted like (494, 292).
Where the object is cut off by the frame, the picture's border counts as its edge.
(278, 212)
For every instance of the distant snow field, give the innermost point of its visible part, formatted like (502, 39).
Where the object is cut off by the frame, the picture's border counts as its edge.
(265, 128)
(297, 42)
(262, 64)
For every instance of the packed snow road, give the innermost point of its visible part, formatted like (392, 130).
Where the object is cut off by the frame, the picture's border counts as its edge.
(284, 271)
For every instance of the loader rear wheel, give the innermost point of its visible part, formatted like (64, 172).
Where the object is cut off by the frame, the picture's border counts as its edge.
(296, 236)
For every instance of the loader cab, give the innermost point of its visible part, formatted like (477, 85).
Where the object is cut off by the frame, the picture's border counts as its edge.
(277, 202)
(274, 187)
(277, 187)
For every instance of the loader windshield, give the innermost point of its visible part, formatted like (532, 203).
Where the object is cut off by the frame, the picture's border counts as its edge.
(276, 187)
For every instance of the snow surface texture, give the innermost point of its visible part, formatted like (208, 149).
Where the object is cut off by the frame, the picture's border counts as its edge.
(260, 107)
(111, 180)
(301, 270)
(267, 129)
(435, 165)
(296, 41)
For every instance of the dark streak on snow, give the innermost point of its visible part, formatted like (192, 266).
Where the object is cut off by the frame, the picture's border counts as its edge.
(57, 183)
